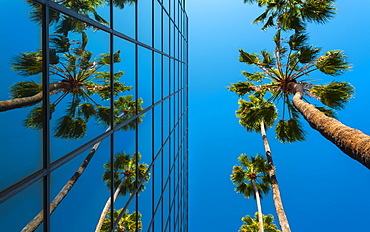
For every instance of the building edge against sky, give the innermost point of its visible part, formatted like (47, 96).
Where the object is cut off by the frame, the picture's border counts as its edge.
(69, 139)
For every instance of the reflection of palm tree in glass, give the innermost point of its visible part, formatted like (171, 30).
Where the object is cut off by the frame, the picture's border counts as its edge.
(251, 224)
(78, 76)
(124, 178)
(64, 23)
(251, 179)
(127, 223)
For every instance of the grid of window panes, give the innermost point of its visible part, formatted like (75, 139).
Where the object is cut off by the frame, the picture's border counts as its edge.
(112, 132)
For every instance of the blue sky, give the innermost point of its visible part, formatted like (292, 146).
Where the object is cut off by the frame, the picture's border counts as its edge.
(322, 189)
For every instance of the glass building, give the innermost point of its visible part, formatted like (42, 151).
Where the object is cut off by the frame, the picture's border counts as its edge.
(111, 132)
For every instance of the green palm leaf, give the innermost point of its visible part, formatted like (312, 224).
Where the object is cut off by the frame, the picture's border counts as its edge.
(289, 131)
(333, 63)
(124, 163)
(35, 119)
(334, 95)
(70, 128)
(251, 169)
(251, 224)
(25, 89)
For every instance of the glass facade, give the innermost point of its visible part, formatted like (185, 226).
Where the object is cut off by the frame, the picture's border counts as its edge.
(106, 149)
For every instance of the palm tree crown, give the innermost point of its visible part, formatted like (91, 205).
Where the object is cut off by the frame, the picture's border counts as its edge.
(293, 14)
(127, 223)
(125, 165)
(251, 224)
(252, 169)
(79, 76)
(291, 61)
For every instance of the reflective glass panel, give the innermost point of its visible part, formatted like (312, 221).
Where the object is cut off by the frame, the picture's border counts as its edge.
(21, 66)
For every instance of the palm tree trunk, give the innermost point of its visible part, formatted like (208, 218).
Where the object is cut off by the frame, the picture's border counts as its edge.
(108, 204)
(283, 220)
(259, 208)
(35, 223)
(31, 100)
(352, 142)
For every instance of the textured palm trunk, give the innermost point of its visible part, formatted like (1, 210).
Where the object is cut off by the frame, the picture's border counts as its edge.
(35, 223)
(280, 212)
(352, 142)
(31, 100)
(108, 204)
(259, 208)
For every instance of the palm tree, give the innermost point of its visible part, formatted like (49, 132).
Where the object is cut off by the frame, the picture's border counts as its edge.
(127, 223)
(77, 77)
(293, 14)
(251, 179)
(251, 224)
(254, 115)
(124, 179)
(281, 77)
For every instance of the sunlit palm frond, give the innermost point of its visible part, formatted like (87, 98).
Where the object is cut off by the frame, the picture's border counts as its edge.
(251, 224)
(248, 58)
(252, 113)
(333, 63)
(241, 88)
(128, 221)
(334, 95)
(252, 169)
(288, 15)
(318, 11)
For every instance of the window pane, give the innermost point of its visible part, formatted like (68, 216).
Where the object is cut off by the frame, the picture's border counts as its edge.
(21, 68)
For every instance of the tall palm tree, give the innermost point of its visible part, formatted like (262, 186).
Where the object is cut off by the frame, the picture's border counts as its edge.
(127, 222)
(282, 78)
(77, 78)
(124, 179)
(251, 179)
(293, 14)
(251, 224)
(254, 115)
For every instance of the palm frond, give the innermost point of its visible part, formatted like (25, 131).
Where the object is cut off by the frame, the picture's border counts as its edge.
(241, 88)
(25, 89)
(307, 54)
(70, 128)
(249, 58)
(333, 63)
(289, 131)
(334, 95)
